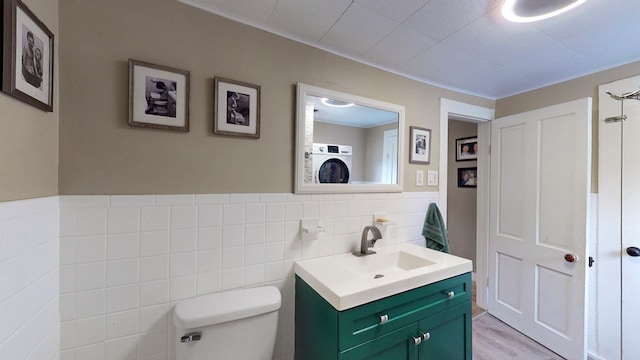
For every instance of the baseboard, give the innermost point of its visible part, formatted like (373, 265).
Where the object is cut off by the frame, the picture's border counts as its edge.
(591, 356)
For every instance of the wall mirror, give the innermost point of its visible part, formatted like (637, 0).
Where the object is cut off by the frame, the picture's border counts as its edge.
(347, 143)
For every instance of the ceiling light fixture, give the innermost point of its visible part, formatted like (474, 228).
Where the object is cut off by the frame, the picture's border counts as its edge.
(335, 103)
(536, 10)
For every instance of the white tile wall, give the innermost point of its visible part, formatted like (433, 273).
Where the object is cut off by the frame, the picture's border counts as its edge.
(126, 260)
(29, 284)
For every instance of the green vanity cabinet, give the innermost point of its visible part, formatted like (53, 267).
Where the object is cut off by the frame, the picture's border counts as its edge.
(449, 334)
(429, 322)
(393, 345)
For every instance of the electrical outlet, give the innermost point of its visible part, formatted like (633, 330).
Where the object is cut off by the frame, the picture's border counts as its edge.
(419, 177)
(432, 178)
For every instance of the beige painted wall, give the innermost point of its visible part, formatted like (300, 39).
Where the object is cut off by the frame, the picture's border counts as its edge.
(29, 136)
(461, 202)
(567, 91)
(100, 154)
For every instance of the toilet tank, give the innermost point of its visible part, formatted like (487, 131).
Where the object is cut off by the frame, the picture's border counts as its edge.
(236, 324)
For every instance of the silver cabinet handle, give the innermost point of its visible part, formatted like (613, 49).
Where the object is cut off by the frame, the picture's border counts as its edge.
(384, 318)
(450, 294)
(417, 340)
(425, 336)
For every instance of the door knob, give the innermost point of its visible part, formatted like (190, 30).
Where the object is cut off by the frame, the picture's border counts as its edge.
(633, 251)
(571, 257)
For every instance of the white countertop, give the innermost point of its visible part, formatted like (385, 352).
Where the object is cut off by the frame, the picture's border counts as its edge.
(344, 289)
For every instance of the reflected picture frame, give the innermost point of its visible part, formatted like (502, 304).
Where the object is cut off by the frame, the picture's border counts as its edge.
(158, 96)
(236, 108)
(28, 54)
(420, 145)
(467, 148)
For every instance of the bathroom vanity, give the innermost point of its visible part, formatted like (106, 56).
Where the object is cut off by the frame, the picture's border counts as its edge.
(415, 304)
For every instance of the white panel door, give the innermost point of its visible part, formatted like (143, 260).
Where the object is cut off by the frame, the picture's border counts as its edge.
(540, 182)
(619, 221)
(631, 230)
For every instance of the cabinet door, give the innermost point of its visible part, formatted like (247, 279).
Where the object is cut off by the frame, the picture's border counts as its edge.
(396, 345)
(448, 334)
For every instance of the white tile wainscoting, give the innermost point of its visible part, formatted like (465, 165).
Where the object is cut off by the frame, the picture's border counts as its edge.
(126, 260)
(29, 320)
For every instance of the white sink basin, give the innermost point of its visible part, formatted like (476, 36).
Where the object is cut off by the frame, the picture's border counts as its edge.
(377, 266)
(347, 281)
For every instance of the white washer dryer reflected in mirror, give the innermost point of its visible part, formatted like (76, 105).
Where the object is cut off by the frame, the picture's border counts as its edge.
(347, 143)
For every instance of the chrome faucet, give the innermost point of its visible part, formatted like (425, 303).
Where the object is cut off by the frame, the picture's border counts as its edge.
(366, 244)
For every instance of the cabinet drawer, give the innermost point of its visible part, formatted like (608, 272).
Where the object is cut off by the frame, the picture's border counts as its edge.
(364, 322)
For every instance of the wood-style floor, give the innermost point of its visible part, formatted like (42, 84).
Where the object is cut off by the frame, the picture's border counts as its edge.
(495, 340)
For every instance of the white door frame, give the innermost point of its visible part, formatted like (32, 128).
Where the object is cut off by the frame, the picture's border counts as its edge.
(482, 116)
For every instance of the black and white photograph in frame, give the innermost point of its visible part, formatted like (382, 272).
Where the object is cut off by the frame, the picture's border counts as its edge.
(28, 61)
(236, 108)
(420, 147)
(158, 96)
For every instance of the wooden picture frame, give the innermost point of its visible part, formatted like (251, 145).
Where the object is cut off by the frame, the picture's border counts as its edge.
(158, 96)
(236, 108)
(468, 177)
(420, 145)
(467, 149)
(27, 62)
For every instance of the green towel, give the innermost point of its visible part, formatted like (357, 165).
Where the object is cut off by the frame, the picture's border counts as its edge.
(434, 231)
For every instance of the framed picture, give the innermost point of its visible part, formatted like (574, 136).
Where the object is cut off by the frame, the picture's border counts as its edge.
(158, 96)
(27, 64)
(467, 149)
(236, 108)
(468, 177)
(420, 147)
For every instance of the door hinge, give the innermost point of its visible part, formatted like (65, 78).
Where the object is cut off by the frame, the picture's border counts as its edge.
(489, 149)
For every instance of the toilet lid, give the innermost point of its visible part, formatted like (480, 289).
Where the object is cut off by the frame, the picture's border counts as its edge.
(226, 306)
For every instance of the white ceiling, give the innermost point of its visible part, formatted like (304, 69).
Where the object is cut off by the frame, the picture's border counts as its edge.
(463, 45)
(356, 115)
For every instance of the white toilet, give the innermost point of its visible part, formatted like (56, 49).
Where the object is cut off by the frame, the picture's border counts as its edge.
(237, 324)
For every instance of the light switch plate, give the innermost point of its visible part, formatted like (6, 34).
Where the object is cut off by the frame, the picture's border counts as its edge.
(432, 178)
(419, 177)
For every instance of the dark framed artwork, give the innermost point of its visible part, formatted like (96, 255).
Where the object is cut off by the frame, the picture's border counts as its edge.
(158, 96)
(468, 177)
(467, 149)
(420, 146)
(27, 62)
(236, 108)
